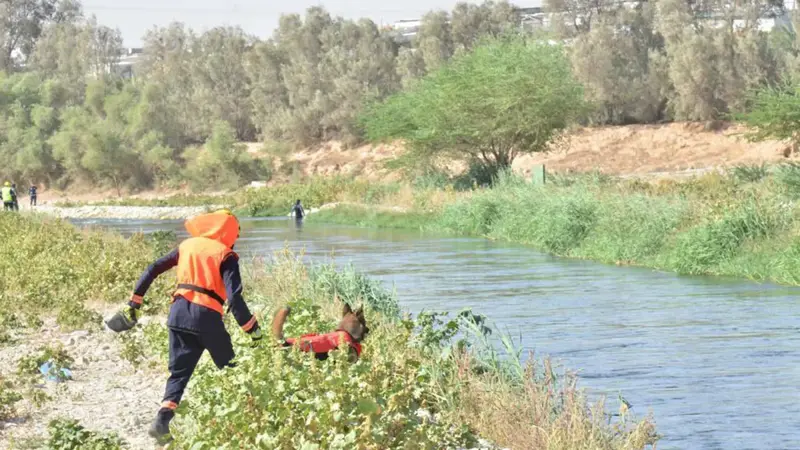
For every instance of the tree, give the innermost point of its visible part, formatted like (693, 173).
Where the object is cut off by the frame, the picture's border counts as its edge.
(222, 85)
(223, 163)
(167, 71)
(22, 22)
(773, 113)
(507, 97)
(618, 51)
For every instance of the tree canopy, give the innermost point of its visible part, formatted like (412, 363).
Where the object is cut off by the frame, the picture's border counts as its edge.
(509, 96)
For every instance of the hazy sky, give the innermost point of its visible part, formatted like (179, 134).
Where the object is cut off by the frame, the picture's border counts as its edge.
(258, 17)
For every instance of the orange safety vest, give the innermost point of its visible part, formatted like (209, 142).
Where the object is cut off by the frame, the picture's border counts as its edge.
(200, 257)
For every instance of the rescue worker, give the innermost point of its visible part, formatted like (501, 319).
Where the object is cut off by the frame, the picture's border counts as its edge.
(297, 210)
(32, 195)
(208, 278)
(14, 195)
(8, 195)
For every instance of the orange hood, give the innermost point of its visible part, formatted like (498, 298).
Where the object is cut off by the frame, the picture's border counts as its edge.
(218, 226)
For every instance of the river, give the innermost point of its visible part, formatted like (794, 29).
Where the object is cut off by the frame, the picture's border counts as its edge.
(716, 361)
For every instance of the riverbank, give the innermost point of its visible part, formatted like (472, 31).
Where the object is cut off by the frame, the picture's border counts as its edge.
(415, 382)
(739, 222)
(125, 212)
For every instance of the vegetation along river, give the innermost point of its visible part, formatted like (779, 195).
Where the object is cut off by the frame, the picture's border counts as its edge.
(717, 361)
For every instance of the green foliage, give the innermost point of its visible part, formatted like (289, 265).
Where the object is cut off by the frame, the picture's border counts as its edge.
(789, 178)
(8, 398)
(354, 288)
(49, 265)
(701, 248)
(67, 434)
(772, 113)
(509, 96)
(58, 356)
(223, 164)
(751, 173)
(75, 316)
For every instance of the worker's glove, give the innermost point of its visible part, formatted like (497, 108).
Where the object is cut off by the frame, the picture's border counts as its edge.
(256, 336)
(124, 320)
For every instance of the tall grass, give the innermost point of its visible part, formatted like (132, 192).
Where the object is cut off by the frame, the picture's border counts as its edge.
(49, 265)
(741, 223)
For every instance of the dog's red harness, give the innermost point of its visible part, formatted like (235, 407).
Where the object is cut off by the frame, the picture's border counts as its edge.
(323, 343)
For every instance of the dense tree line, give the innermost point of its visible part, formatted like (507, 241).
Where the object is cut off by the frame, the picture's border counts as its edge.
(65, 115)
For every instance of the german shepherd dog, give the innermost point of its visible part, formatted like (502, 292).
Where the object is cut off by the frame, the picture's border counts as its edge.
(352, 330)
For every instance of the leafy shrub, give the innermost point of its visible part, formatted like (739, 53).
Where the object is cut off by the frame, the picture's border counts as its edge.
(66, 434)
(48, 264)
(75, 316)
(57, 355)
(8, 398)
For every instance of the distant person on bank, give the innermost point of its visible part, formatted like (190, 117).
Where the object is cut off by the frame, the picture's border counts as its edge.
(32, 194)
(14, 195)
(8, 195)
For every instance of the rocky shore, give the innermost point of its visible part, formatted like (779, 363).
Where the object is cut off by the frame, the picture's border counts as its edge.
(125, 212)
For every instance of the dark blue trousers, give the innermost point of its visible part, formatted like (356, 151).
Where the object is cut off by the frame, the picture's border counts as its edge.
(185, 350)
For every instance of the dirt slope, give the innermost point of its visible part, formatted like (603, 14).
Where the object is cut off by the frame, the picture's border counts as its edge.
(621, 150)
(640, 150)
(643, 149)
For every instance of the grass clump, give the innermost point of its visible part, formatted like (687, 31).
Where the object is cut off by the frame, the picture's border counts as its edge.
(750, 173)
(366, 216)
(789, 178)
(703, 247)
(56, 355)
(66, 434)
(8, 399)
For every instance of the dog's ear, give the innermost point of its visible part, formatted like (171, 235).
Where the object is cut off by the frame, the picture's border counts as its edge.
(346, 310)
(360, 312)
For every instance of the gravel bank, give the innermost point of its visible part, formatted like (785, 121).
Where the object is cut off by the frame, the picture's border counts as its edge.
(126, 212)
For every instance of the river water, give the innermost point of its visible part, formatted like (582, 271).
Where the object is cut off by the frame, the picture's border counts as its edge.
(716, 361)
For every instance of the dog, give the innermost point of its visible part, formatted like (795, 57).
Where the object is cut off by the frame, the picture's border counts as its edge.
(352, 330)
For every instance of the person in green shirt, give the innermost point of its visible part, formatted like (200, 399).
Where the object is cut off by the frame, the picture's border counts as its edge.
(9, 196)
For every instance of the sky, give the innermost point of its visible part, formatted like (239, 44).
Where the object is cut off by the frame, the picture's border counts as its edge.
(257, 17)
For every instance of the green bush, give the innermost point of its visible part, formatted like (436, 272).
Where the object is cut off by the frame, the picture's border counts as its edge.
(472, 216)
(58, 356)
(48, 264)
(68, 434)
(8, 398)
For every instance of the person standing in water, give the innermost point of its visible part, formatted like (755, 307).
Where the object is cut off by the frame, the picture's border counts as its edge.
(297, 211)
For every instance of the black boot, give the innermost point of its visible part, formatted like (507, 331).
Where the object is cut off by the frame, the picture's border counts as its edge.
(160, 427)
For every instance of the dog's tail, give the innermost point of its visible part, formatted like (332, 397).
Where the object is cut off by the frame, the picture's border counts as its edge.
(278, 322)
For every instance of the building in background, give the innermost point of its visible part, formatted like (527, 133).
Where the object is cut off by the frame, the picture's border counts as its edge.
(126, 66)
